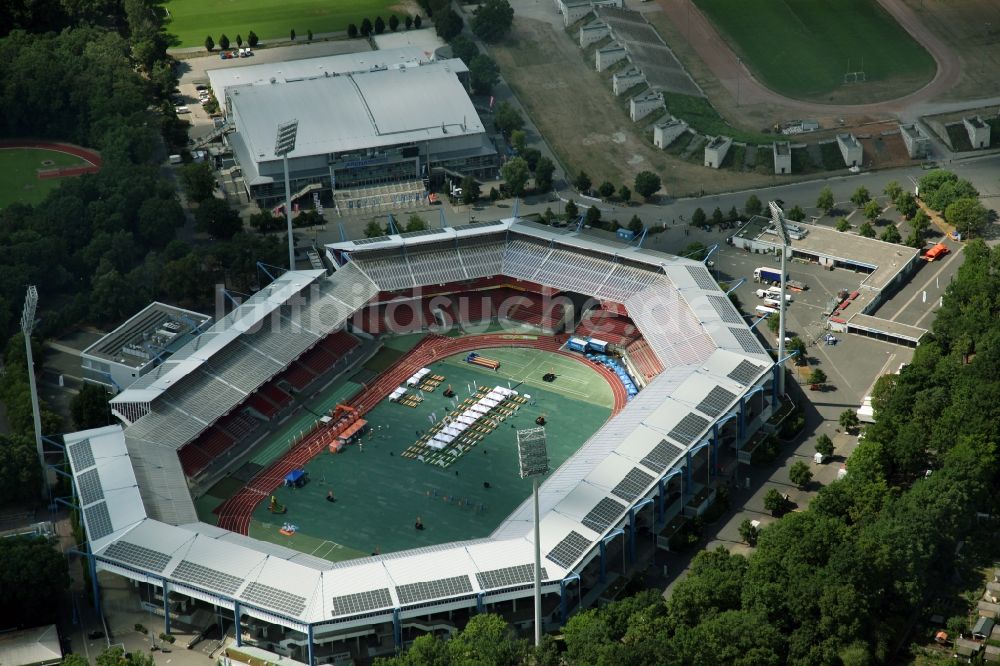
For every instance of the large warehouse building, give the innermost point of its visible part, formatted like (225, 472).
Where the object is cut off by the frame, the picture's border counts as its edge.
(653, 462)
(393, 123)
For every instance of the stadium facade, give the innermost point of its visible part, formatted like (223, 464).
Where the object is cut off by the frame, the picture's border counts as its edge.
(389, 122)
(635, 474)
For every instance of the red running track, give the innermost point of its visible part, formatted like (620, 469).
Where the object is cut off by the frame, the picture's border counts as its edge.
(236, 512)
(90, 156)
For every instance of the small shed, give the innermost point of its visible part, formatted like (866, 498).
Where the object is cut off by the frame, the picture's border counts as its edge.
(966, 648)
(992, 654)
(988, 609)
(296, 478)
(984, 626)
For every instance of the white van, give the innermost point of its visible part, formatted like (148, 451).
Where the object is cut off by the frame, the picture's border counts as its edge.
(764, 311)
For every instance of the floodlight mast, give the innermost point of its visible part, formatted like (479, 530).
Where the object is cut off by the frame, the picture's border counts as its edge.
(27, 326)
(533, 458)
(778, 216)
(284, 144)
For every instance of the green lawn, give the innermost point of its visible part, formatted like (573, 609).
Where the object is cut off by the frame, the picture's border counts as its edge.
(380, 493)
(801, 48)
(18, 181)
(192, 20)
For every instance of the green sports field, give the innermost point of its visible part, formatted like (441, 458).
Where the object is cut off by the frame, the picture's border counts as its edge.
(380, 493)
(803, 48)
(18, 181)
(192, 20)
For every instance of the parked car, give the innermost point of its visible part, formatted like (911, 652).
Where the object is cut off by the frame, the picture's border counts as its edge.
(181, 110)
(200, 87)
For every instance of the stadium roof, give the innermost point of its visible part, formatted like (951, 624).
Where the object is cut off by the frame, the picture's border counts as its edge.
(143, 328)
(143, 525)
(356, 111)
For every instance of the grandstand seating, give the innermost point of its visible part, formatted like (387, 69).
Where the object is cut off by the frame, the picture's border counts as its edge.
(533, 309)
(300, 373)
(642, 357)
(193, 460)
(239, 424)
(607, 326)
(214, 441)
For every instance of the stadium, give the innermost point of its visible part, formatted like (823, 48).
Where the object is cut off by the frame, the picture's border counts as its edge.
(647, 337)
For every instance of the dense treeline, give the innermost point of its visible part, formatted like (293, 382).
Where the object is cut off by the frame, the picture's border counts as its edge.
(838, 583)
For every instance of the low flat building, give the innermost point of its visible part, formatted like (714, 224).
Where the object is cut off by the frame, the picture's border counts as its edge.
(917, 143)
(644, 104)
(715, 151)
(608, 55)
(782, 151)
(142, 343)
(593, 32)
(667, 131)
(38, 646)
(625, 79)
(850, 149)
(978, 131)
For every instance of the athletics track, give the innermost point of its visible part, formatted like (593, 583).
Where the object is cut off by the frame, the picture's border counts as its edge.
(236, 512)
(92, 158)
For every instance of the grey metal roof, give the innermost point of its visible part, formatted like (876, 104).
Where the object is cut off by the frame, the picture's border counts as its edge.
(356, 111)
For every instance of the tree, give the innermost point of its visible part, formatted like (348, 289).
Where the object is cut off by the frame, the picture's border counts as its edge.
(891, 235)
(483, 74)
(696, 251)
(417, 21)
(606, 190)
(416, 223)
(34, 578)
(593, 216)
(223, 42)
(774, 501)
(543, 174)
(217, 219)
(635, 225)
(20, 475)
(198, 181)
(717, 216)
(492, 20)
(507, 119)
(817, 376)
(309, 35)
(89, 407)
(408, 21)
(906, 204)
(624, 193)
(366, 27)
(800, 474)
(571, 210)
(265, 221)
(861, 196)
(872, 210)
(798, 346)
(470, 190)
(518, 140)
(824, 445)
(239, 40)
(733, 215)
(253, 39)
(352, 31)
(968, 215)
(748, 532)
(843, 224)
(825, 200)
(866, 230)
(647, 184)
(796, 214)
(582, 182)
(753, 206)
(448, 24)
(892, 190)
(773, 323)
(698, 217)
(464, 48)
(849, 420)
(209, 43)
(515, 173)
(379, 25)
(373, 230)
(291, 34)
(393, 22)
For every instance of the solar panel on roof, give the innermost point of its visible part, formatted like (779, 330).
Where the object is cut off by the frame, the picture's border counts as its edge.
(745, 372)
(211, 578)
(702, 277)
(689, 428)
(716, 401)
(605, 514)
(272, 597)
(361, 602)
(746, 340)
(98, 520)
(569, 550)
(433, 589)
(724, 308)
(423, 232)
(88, 485)
(634, 483)
(82, 455)
(138, 556)
(369, 241)
(662, 455)
(508, 576)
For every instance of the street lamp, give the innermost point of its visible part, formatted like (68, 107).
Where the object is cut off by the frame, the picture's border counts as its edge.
(27, 326)
(533, 459)
(284, 144)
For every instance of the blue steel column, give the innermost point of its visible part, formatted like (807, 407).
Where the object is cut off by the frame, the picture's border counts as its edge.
(774, 385)
(741, 425)
(661, 500)
(631, 534)
(166, 606)
(397, 629)
(603, 552)
(309, 638)
(686, 490)
(94, 589)
(239, 626)
(481, 602)
(715, 447)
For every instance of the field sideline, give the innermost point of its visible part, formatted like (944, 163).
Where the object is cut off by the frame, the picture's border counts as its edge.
(801, 48)
(192, 20)
(19, 180)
